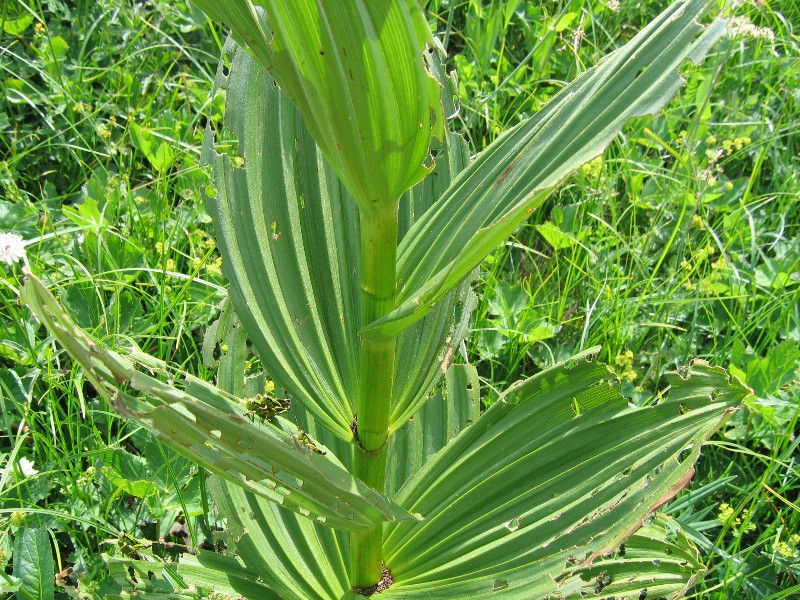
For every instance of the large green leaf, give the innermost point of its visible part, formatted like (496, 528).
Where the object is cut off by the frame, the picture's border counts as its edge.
(298, 558)
(289, 236)
(152, 578)
(560, 470)
(424, 351)
(356, 71)
(442, 417)
(513, 176)
(658, 561)
(210, 427)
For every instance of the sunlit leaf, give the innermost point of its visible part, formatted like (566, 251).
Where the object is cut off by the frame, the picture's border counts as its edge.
(560, 470)
(289, 236)
(346, 66)
(658, 561)
(296, 557)
(514, 175)
(210, 427)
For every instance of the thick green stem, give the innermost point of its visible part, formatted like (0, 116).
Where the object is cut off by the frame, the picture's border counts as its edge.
(378, 289)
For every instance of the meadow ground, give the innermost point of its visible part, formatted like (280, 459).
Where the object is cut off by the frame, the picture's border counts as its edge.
(682, 241)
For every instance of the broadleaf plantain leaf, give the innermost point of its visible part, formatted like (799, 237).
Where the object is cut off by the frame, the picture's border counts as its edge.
(557, 472)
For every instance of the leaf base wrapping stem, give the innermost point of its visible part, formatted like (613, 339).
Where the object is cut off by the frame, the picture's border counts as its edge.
(376, 380)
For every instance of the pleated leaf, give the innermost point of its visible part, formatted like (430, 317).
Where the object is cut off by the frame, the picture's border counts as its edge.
(658, 561)
(298, 558)
(356, 71)
(560, 470)
(425, 350)
(442, 417)
(289, 236)
(513, 176)
(166, 580)
(210, 427)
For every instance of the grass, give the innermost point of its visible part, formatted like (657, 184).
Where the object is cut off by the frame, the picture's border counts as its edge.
(682, 241)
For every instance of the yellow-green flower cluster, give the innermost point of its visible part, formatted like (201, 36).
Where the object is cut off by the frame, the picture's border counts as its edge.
(789, 548)
(625, 370)
(738, 525)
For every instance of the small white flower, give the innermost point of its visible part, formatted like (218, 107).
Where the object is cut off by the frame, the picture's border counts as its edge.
(26, 466)
(743, 27)
(12, 247)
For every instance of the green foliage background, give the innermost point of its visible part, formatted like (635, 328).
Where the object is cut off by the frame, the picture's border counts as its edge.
(682, 241)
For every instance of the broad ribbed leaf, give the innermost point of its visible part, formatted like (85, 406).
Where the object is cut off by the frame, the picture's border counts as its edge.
(356, 70)
(425, 350)
(289, 236)
(442, 418)
(296, 557)
(155, 579)
(300, 559)
(210, 427)
(558, 471)
(513, 176)
(658, 561)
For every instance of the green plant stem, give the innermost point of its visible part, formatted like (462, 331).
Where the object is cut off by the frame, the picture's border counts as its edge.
(378, 290)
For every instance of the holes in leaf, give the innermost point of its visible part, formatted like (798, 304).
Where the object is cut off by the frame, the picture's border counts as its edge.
(225, 142)
(576, 407)
(275, 230)
(226, 65)
(499, 584)
(601, 581)
(513, 524)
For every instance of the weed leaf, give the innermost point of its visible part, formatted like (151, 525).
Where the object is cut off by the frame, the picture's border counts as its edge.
(33, 564)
